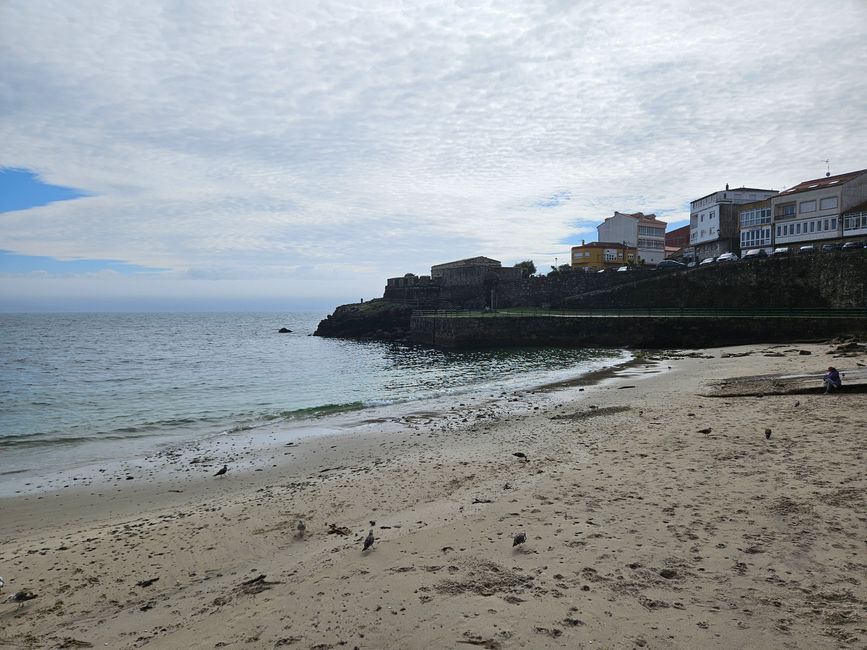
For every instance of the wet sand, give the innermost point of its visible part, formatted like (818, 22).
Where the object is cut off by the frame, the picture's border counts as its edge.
(656, 515)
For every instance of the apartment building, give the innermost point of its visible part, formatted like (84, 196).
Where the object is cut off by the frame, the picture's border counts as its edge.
(603, 255)
(812, 211)
(713, 220)
(642, 231)
(754, 225)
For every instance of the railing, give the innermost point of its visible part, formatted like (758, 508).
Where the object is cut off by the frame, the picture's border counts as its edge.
(657, 312)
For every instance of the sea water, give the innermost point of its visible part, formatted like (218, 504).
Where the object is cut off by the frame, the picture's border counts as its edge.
(81, 388)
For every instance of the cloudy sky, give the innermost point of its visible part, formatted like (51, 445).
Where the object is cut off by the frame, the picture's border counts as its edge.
(284, 155)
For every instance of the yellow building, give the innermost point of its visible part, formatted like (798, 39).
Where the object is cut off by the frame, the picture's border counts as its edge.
(603, 255)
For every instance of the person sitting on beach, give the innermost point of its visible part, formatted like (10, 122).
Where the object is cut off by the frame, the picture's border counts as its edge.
(832, 379)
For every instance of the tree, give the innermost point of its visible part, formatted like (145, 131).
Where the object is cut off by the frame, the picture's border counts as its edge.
(527, 268)
(563, 268)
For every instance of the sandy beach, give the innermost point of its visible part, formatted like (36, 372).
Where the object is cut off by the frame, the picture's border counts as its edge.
(657, 514)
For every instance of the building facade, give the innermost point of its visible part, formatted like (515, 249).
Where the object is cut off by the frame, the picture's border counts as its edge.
(812, 212)
(642, 231)
(755, 227)
(855, 221)
(713, 220)
(603, 255)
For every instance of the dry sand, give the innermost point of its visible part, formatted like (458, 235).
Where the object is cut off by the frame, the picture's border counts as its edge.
(656, 516)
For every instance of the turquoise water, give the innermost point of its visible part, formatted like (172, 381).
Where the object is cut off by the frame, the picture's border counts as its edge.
(82, 387)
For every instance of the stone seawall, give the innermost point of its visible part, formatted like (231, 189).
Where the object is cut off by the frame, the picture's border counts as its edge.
(631, 332)
(820, 280)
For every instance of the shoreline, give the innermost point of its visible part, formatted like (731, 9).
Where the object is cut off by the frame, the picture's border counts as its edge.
(641, 528)
(278, 431)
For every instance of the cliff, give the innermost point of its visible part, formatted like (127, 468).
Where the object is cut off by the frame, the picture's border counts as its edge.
(377, 319)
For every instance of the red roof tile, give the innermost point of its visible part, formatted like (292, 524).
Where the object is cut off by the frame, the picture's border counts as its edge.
(827, 181)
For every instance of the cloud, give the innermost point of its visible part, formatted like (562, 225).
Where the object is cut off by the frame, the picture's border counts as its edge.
(239, 142)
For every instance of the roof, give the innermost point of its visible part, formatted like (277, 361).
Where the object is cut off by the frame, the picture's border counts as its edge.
(827, 181)
(643, 218)
(470, 261)
(604, 244)
(734, 189)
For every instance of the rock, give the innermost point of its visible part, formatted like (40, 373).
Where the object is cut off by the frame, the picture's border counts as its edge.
(284, 330)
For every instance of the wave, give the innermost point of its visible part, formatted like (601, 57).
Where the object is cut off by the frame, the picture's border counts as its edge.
(240, 422)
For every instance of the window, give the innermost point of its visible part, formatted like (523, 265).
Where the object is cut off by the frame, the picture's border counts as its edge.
(812, 226)
(828, 203)
(788, 210)
(779, 228)
(826, 225)
(808, 206)
(834, 223)
(797, 229)
(702, 217)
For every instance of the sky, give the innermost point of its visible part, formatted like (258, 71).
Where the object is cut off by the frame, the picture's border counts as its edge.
(218, 155)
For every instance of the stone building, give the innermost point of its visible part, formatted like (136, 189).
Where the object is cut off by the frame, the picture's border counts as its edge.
(438, 270)
(811, 212)
(713, 220)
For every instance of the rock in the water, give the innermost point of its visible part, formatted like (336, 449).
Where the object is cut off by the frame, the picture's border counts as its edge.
(284, 330)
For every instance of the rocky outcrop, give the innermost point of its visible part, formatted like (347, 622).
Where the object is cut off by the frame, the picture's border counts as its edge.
(377, 319)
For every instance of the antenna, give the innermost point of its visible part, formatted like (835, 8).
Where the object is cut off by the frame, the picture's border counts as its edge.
(827, 162)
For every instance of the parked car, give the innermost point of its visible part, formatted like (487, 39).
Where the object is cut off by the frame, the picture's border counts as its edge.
(754, 253)
(782, 250)
(727, 257)
(623, 269)
(830, 248)
(808, 248)
(706, 261)
(853, 245)
(670, 264)
(691, 264)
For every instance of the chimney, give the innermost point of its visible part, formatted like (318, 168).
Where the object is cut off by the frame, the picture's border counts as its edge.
(582, 242)
(727, 187)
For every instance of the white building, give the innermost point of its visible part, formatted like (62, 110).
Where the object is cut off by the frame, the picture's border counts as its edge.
(642, 231)
(756, 230)
(713, 220)
(811, 211)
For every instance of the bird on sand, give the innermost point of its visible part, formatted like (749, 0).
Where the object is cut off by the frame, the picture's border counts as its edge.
(20, 597)
(222, 470)
(301, 528)
(797, 403)
(2, 583)
(521, 455)
(520, 538)
(368, 541)
(767, 434)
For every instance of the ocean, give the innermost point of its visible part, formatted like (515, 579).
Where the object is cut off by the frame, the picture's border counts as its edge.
(77, 389)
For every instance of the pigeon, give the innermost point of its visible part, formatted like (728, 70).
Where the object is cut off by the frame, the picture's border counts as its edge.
(521, 455)
(300, 527)
(767, 434)
(368, 541)
(520, 538)
(797, 403)
(222, 470)
(2, 583)
(20, 597)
